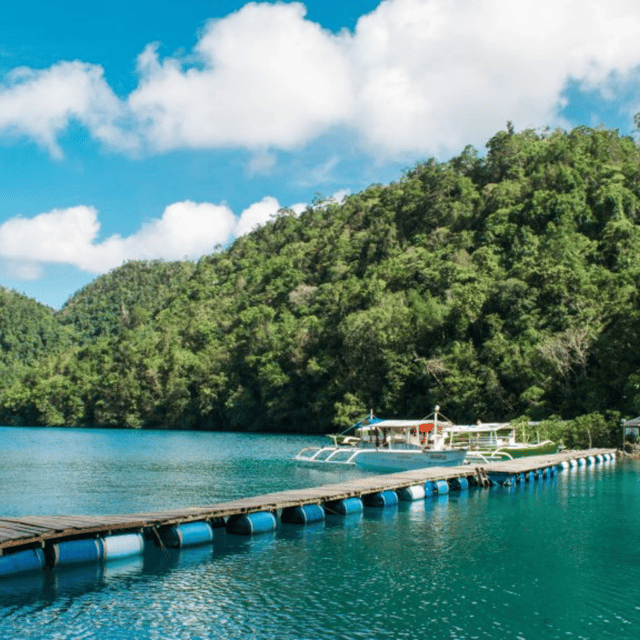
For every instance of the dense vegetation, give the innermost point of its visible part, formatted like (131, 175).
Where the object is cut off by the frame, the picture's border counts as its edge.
(496, 286)
(29, 332)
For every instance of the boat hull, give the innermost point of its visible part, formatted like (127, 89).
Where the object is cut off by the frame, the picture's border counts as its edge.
(531, 450)
(392, 461)
(511, 452)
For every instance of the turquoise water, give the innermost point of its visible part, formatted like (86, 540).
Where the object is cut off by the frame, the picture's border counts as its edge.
(557, 558)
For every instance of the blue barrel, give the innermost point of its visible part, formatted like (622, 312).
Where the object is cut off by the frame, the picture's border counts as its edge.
(122, 546)
(303, 514)
(459, 484)
(552, 470)
(442, 486)
(252, 523)
(409, 494)
(530, 476)
(346, 506)
(76, 552)
(29, 560)
(430, 488)
(381, 499)
(521, 478)
(187, 534)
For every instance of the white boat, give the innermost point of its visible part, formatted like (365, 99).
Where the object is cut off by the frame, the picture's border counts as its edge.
(494, 441)
(388, 446)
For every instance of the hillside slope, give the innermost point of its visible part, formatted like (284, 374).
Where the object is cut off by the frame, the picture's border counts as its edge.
(495, 286)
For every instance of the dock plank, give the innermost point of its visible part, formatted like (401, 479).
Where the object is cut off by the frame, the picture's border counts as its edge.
(29, 530)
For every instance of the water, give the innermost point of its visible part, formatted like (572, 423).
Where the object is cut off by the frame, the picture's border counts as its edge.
(557, 558)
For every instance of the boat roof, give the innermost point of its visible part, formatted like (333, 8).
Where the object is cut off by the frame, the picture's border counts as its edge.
(484, 427)
(403, 424)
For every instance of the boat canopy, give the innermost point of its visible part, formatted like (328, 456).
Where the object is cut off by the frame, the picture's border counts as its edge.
(402, 425)
(485, 427)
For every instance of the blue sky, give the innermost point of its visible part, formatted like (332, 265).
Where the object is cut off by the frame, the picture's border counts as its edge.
(137, 130)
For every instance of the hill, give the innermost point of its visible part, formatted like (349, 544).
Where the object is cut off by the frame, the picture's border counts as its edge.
(29, 331)
(495, 286)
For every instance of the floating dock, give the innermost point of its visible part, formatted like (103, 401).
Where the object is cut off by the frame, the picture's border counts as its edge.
(44, 542)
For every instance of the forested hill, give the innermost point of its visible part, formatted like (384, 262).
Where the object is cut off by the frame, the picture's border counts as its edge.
(496, 286)
(125, 296)
(29, 331)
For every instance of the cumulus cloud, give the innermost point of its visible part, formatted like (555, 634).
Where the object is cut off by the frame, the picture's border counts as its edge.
(435, 74)
(266, 77)
(416, 76)
(70, 236)
(41, 104)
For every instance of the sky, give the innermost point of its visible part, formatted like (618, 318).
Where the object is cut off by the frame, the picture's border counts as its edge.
(132, 130)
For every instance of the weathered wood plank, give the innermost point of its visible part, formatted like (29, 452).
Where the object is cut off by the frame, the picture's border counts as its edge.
(37, 529)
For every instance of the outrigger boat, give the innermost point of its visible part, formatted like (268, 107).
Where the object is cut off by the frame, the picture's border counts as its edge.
(388, 446)
(492, 441)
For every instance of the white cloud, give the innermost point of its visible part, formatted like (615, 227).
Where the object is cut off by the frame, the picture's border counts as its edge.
(436, 74)
(267, 77)
(41, 104)
(256, 215)
(70, 236)
(416, 76)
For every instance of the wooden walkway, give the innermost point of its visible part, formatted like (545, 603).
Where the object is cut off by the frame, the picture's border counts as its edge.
(37, 531)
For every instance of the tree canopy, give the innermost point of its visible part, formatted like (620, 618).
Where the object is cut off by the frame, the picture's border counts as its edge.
(495, 285)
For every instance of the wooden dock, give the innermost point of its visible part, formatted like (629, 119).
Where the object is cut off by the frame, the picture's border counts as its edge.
(39, 531)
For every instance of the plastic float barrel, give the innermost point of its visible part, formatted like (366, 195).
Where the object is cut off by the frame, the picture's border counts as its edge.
(381, 499)
(520, 478)
(581, 462)
(430, 488)
(529, 476)
(187, 534)
(551, 471)
(346, 506)
(72, 552)
(442, 486)
(122, 546)
(252, 523)
(409, 494)
(591, 460)
(21, 562)
(303, 514)
(459, 484)
(564, 464)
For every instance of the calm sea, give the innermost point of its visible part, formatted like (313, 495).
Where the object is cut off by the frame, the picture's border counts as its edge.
(558, 558)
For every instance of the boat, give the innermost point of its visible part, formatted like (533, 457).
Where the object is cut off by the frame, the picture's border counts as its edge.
(494, 441)
(389, 446)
